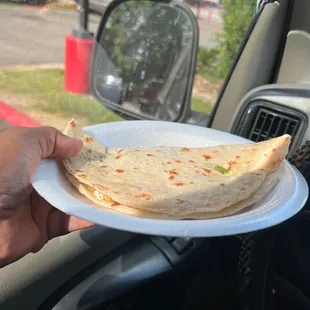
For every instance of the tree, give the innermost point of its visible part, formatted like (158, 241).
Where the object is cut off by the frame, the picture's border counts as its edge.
(237, 16)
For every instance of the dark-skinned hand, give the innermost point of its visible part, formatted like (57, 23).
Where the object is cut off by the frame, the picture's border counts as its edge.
(27, 221)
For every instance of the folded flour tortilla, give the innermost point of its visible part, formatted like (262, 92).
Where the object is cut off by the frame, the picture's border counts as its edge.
(173, 182)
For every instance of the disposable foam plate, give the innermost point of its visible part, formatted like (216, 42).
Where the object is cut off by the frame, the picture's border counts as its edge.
(284, 201)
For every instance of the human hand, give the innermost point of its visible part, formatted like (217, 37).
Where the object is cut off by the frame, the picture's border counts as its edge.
(27, 221)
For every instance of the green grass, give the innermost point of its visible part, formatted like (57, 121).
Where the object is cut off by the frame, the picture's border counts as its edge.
(201, 106)
(46, 89)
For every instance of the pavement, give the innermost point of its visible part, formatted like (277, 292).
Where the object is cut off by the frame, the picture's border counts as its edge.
(32, 35)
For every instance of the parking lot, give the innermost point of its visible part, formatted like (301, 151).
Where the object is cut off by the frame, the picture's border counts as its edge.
(22, 28)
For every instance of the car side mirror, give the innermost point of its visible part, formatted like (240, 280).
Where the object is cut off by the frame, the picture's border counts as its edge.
(144, 59)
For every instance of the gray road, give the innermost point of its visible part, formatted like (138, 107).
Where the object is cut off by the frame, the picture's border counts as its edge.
(30, 36)
(33, 36)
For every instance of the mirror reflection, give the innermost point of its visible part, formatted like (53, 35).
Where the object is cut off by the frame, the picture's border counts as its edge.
(143, 59)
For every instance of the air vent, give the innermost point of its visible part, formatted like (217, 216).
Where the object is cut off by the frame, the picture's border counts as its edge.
(263, 120)
(270, 124)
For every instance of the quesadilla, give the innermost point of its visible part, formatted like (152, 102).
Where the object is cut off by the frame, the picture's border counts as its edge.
(175, 182)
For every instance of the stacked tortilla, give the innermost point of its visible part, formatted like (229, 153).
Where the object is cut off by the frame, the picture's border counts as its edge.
(175, 183)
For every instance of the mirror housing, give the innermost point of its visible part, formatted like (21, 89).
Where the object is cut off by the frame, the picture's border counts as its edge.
(144, 59)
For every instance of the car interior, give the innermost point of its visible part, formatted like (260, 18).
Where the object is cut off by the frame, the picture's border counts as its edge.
(265, 94)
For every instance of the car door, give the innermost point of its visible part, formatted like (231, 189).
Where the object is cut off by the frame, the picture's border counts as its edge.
(33, 85)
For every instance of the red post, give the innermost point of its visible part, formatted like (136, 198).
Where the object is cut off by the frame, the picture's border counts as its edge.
(78, 53)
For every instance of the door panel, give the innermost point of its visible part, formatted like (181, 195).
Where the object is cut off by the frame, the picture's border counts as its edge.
(26, 283)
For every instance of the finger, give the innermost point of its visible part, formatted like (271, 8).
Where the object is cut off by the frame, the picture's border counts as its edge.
(52, 143)
(53, 222)
(73, 223)
(60, 224)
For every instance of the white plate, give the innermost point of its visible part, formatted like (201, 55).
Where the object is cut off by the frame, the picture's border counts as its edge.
(285, 200)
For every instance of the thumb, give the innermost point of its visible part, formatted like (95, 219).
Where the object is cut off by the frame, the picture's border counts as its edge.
(53, 144)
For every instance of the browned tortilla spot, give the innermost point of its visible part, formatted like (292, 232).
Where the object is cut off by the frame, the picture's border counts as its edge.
(119, 171)
(89, 139)
(176, 160)
(118, 156)
(171, 177)
(145, 196)
(206, 157)
(206, 170)
(150, 155)
(179, 184)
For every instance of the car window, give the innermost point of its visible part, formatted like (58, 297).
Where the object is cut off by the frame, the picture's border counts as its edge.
(37, 38)
(222, 26)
